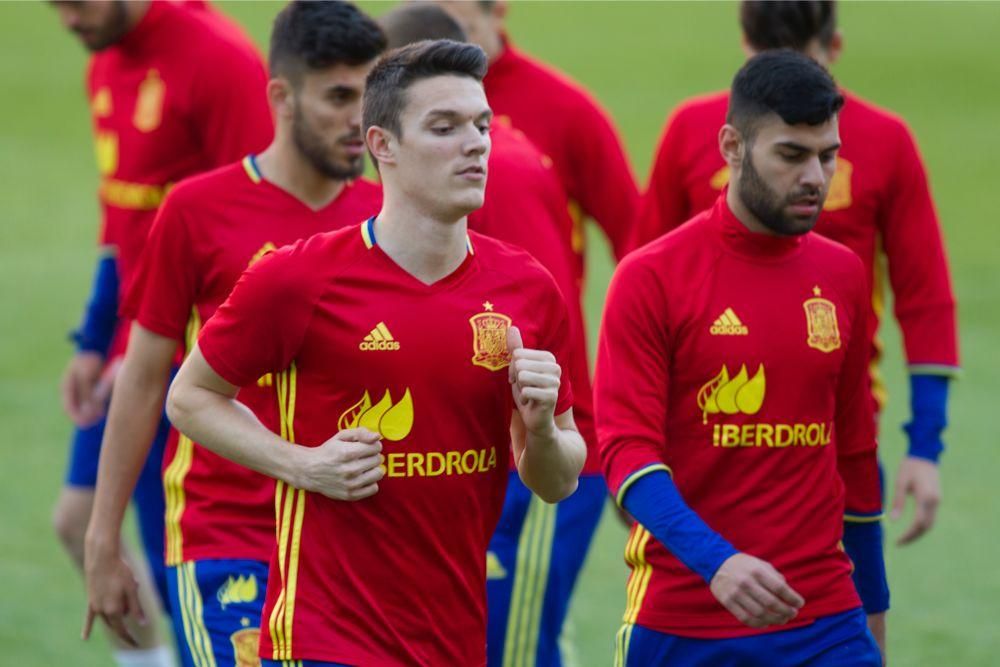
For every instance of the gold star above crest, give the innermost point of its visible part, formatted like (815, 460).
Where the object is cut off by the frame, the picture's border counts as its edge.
(487, 306)
(817, 291)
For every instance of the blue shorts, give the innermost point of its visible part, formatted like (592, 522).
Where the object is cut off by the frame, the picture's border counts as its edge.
(532, 566)
(85, 451)
(300, 663)
(217, 607)
(840, 640)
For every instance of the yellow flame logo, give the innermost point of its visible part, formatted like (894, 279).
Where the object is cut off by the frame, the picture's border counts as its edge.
(238, 589)
(393, 421)
(730, 396)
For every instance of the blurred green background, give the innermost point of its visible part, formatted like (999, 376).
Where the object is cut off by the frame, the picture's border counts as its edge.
(936, 64)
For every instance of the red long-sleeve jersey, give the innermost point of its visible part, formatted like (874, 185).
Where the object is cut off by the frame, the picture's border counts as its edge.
(879, 206)
(737, 361)
(183, 92)
(569, 126)
(525, 205)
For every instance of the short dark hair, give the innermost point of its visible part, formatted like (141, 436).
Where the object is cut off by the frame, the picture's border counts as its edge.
(317, 35)
(786, 83)
(396, 71)
(780, 24)
(416, 21)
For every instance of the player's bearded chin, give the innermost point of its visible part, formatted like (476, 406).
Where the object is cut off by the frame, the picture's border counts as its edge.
(311, 145)
(768, 206)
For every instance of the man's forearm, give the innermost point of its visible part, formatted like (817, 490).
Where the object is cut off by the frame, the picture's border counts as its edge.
(228, 428)
(551, 463)
(136, 406)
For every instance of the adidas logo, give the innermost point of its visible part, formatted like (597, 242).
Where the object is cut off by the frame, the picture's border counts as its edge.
(728, 324)
(379, 339)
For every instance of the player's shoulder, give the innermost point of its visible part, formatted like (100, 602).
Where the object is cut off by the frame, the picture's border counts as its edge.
(220, 184)
(367, 191)
(861, 113)
(693, 115)
(509, 260)
(699, 105)
(310, 261)
(835, 258)
(553, 84)
(208, 33)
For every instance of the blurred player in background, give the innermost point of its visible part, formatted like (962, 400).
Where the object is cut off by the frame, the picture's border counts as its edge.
(563, 120)
(734, 420)
(220, 516)
(879, 206)
(410, 329)
(172, 92)
(538, 549)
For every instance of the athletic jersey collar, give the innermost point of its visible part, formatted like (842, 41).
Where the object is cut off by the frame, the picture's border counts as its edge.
(137, 36)
(739, 239)
(367, 229)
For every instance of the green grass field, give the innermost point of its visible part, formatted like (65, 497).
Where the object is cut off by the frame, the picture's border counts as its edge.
(937, 64)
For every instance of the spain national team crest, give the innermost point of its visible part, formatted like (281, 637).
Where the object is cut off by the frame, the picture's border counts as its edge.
(489, 339)
(821, 321)
(245, 644)
(149, 102)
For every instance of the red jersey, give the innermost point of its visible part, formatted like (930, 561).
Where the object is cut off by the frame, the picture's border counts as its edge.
(879, 204)
(737, 361)
(181, 93)
(209, 229)
(398, 578)
(569, 126)
(526, 206)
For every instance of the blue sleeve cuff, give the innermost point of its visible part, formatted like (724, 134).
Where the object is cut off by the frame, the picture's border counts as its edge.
(101, 316)
(654, 501)
(863, 544)
(929, 406)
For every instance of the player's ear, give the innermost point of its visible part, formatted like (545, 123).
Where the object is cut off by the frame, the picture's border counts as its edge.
(731, 146)
(280, 97)
(835, 47)
(381, 144)
(499, 10)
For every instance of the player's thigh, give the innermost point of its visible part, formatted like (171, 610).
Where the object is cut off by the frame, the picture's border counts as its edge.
(300, 663)
(636, 646)
(150, 510)
(217, 607)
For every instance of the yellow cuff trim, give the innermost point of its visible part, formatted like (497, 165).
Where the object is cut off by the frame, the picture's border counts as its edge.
(935, 369)
(634, 477)
(858, 518)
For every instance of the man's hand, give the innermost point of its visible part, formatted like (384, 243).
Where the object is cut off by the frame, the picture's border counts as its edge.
(754, 592)
(876, 625)
(112, 592)
(534, 379)
(79, 383)
(345, 467)
(921, 479)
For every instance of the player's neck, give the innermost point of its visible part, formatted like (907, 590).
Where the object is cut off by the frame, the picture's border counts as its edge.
(422, 244)
(283, 166)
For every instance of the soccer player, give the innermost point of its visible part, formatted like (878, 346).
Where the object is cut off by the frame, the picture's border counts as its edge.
(879, 206)
(402, 376)
(732, 410)
(534, 542)
(563, 120)
(220, 516)
(172, 92)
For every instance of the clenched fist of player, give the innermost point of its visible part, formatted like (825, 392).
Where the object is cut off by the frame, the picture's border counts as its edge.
(345, 467)
(754, 592)
(534, 379)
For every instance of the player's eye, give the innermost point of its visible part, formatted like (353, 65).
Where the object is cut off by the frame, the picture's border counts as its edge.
(441, 129)
(483, 128)
(792, 156)
(827, 158)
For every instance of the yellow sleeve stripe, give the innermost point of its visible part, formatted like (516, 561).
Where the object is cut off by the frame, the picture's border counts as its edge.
(634, 477)
(942, 370)
(863, 518)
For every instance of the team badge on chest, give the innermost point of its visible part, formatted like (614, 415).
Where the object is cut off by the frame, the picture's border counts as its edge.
(489, 339)
(821, 323)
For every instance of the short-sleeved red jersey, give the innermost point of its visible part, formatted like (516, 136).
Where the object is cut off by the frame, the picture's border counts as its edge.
(355, 341)
(569, 126)
(208, 231)
(879, 205)
(525, 205)
(181, 93)
(737, 361)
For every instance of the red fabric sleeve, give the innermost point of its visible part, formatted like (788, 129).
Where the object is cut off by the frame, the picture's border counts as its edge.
(261, 326)
(631, 381)
(165, 285)
(554, 336)
(231, 113)
(664, 205)
(918, 268)
(854, 425)
(602, 180)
